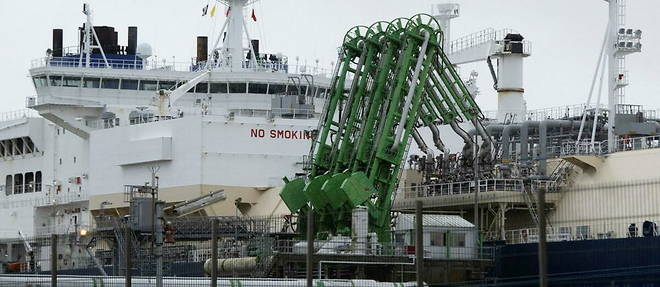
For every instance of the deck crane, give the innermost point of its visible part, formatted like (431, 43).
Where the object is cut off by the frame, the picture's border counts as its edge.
(400, 80)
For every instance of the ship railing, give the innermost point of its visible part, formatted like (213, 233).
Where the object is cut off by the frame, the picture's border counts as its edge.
(468, 187)
(574, 232)
(18, 114)
(270, 114)
(601, 147)
(484, 36)
(172, 64)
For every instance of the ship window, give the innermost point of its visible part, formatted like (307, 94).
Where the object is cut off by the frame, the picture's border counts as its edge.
(202, 88)
(55, 81)
(166, 85)
(257, 88)
(148, 85)
(29, 182)
(18, 183)
(94, 83)
(72, 82)
(8, 185)
(218, 88)
(129, 84)
(37, 181)
(19, 146)
(29, 145)
(110, 84)
(276, 89)
(40, 81)
(237, 88)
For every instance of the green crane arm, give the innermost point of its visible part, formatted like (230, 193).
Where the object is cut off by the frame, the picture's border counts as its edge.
(399, 77)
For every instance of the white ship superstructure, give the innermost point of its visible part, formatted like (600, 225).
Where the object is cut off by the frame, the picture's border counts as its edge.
(111, 114)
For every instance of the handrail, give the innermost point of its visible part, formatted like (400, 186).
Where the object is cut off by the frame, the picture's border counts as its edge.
(171, 64)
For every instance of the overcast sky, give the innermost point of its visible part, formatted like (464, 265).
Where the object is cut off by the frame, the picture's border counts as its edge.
(566, 37)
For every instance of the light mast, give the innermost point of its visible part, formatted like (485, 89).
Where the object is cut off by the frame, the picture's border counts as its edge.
(621, 42)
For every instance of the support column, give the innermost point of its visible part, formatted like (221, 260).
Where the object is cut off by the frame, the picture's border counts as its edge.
(419, 243)
(53, 260)
(309, 256)
(214, 252)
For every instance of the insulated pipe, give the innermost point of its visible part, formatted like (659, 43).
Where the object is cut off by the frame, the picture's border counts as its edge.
(437, 141)
(411, 91)
(460, 132)
(484, 135)
(508, 131)
(421, 144)
(524, 137)
(543, 139)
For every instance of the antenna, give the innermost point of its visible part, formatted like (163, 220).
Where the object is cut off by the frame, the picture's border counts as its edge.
(89, 38)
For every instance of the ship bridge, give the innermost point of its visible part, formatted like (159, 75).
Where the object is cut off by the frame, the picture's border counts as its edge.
(102, 83)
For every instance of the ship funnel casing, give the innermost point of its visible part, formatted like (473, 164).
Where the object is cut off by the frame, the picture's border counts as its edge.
(131, 46)
(202, 48)
(58, 44)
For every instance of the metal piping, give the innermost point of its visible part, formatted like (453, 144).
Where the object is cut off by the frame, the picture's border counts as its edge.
(524, 138)
(460, 132)
(507, 133)
(421, 144)
(411, 91)
(437, 141)
(543, 139)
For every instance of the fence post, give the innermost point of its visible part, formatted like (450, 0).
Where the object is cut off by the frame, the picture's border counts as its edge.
(419, 243)
(543, 256)
(53, 260)
(129, 261)
(214, 252)
(310, 247)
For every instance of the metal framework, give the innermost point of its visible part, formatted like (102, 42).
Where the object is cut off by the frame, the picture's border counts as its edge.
(400, 80)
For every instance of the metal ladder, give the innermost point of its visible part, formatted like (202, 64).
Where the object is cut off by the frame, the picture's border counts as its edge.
(530, 200)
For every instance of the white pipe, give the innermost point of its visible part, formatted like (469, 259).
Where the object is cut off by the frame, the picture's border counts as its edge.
(593, 82)
(600, 93)
(253, 59)
(217, 42)
(411, 91)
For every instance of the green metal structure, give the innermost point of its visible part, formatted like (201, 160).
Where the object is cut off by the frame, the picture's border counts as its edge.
(391, 78)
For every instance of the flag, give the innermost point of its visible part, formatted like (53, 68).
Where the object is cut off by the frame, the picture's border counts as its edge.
(213, 11)
(205, 9)
(227, 12)
(254, 16)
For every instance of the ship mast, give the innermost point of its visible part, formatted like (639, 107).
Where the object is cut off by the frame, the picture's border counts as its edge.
(231, 53)
(621, 42)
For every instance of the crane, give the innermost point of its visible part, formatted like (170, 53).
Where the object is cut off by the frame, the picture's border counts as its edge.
(392, 78)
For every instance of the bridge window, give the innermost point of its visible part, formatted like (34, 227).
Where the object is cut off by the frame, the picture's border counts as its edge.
(37, 181)
(40, 81)
(218, 88)
(9, 180)
(18, 183)
(94, 83)
(55, 81)
(257, 88)
(29, 182)
(148, 85)
(274, 89)
(19, 146)
(237, 88)
(129, 84)
(202, 88)
(71, 82)
(110, 84)
(166, 85)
